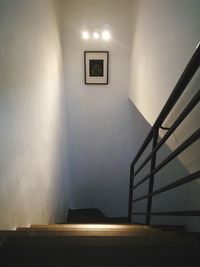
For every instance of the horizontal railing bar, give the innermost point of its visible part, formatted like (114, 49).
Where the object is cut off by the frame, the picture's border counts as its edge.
(171, 213)
(144, 162)
(143, 147)
(188, 142)
(195, 100)
(182, 83)
(182, 181)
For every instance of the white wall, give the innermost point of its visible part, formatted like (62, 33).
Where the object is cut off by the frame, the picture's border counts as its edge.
(32, 185)
(105, 129)
(165, 36)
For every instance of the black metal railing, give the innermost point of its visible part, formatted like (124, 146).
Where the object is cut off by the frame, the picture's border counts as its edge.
(153, 135)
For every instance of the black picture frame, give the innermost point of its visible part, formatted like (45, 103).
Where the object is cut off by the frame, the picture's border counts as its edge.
(96, 67)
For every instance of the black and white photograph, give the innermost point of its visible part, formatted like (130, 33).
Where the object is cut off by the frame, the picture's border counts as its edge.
(96, 67)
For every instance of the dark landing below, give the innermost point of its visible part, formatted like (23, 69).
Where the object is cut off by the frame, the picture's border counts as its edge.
(92, 216)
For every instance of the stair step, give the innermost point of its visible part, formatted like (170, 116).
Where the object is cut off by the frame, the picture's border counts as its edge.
(41, 232)
(97, 245)
(114, 241)
(92, 230)
(58, 232)
(94, 227)
(4, 233)
(95, 235)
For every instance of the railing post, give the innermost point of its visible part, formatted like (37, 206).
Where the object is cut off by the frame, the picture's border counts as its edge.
(151, 180)
(130, 201)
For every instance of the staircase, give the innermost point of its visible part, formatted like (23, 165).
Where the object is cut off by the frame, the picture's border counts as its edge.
(97, 245)
(104, 241)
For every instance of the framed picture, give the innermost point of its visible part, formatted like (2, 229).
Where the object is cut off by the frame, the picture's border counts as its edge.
(96, 67)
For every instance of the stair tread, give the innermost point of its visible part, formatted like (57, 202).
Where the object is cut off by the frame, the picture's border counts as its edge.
(94, 235)
(58, 232)
(102, 227)
(94, 230)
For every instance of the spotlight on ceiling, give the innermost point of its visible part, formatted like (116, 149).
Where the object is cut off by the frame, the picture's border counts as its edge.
(106, 35)
(96, 35)
(85, 35)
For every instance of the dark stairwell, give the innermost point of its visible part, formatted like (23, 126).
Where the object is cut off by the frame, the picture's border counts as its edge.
(92, 216)
(89, 238)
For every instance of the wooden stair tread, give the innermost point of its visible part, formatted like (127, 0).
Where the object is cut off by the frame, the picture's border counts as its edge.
(92, 227)
(92, 230)
(94, 235)
(57, 232)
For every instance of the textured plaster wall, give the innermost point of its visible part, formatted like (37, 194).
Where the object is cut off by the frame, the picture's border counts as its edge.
(165, 34)
(32, 185)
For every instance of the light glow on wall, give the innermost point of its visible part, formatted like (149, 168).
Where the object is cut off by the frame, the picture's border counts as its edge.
(85, 35)
(96, 35)
(106, 35)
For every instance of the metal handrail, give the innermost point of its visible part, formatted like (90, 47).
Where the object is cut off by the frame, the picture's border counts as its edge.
(181, 85)
(171, 213)
(182, 181)
(195, 100)
(188, 142)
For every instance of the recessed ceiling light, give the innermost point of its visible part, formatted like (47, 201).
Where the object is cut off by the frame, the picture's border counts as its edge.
(96, 35)
(85, 35)
(106, 35)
